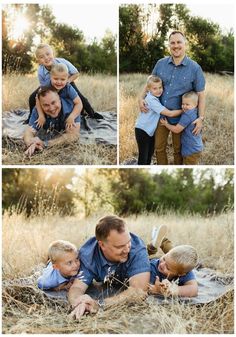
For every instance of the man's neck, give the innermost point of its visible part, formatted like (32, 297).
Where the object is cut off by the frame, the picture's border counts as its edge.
(177, 60)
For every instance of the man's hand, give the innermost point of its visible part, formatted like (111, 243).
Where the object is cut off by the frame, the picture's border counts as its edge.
(143, 105)
(36, 144)
(163, 121)
(85, 305)
(198, 126)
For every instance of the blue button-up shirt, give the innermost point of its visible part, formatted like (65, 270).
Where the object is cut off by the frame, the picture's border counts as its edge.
(155, 272)
(190, 143)
(177, 80)
(94, 265)
(44, 73)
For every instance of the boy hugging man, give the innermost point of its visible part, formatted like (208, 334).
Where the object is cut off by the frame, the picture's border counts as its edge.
(63, 266)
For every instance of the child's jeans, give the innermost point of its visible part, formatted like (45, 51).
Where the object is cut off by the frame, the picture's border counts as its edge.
(145, 147)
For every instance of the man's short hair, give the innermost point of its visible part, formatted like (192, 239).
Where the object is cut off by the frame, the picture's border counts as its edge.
(43, 91)
(185, 256)
(177, 32)
(108, 223)
(58, 248)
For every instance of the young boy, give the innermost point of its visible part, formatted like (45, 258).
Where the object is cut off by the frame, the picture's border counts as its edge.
(191, 145)
(45, 58)
(71, 103)
(146, 123)
(172, 274)
(63, 266)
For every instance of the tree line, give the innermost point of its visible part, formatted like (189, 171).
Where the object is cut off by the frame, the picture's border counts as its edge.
(68, 42)
(121, 191)
(144, 31)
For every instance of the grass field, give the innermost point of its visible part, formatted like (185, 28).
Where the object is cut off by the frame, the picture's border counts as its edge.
(93, 87)
(25, 242)
(218, 130)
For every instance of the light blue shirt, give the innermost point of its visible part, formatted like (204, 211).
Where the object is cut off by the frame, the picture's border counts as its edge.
(94, 265)
(155, 272)
(190, 143)
(147, 121)
(177, 80)
(44, 73)
(52, 278)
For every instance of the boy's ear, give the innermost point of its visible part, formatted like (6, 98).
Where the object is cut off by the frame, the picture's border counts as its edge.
(55, 266)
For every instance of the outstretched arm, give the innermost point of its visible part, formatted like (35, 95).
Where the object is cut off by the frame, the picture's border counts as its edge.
(33, 143)
(171, 113)
(73, 77)
(173, 128)
(78, 106)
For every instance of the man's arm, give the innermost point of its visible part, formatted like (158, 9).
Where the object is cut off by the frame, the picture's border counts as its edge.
(71, 134)
(33, 143)
(138, 282)
(201, 113)
(173, 128)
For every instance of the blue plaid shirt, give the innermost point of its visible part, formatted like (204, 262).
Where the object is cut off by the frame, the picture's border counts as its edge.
(177, 80)
(94, 265)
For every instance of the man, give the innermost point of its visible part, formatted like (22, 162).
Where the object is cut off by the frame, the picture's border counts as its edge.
(114, 255)
(56, 110)
(179, 74)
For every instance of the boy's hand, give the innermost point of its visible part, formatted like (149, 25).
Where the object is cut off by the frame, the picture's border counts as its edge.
(40, 121)
(70, 123)
(163, 121)
(156, 288)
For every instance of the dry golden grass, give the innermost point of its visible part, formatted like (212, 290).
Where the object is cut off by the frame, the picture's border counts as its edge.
(218, 131)
(25, 242)
(99, 89)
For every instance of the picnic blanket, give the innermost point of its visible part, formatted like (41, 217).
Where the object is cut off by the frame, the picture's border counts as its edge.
(211, 286)
(92, 130)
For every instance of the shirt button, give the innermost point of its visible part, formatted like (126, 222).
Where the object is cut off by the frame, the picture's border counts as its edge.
(167, 93)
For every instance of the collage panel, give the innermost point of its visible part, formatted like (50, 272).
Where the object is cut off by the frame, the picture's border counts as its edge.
(150, 260)
(176, 64)
(59, 86)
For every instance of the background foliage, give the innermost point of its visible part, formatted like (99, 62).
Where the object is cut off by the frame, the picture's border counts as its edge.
(121, 191)
(141, 47)
(68, 42)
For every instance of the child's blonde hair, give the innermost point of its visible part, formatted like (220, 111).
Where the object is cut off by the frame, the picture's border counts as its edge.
(41, 46)
(185, 257)
(192, 95)
(59, 68)
(153, 79)
(58, 248)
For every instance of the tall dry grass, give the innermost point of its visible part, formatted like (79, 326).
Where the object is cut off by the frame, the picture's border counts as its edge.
(218, 130)
(101, 92)
(25, 242)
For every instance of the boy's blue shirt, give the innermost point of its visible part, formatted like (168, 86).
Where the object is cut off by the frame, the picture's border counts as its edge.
(52, 278)
(155, 272)
(44, 73)
(190, 143)
(147, 121)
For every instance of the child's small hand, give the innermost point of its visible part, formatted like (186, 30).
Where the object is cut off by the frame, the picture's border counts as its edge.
(156, 288)
(70, 122)
(40, 121)
(163, 121)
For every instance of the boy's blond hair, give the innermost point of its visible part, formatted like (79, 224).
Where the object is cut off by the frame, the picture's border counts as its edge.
(192, 95)
(58, 248)
(185, 256)
(153, 79)
(41, 46)
(59, 68)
